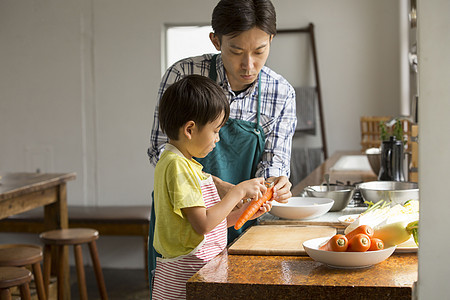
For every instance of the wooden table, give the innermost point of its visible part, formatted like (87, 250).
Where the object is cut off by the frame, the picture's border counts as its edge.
(20, 192)
(299, 277)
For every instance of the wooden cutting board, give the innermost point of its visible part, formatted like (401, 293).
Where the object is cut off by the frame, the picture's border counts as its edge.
(277, 239)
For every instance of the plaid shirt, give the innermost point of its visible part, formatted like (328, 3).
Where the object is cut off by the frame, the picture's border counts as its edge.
(278, 116)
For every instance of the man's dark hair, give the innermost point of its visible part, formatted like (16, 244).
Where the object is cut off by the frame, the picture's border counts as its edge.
(193, 98)
(232, 17)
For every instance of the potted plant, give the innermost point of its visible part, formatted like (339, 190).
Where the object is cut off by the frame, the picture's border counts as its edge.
(393, 128)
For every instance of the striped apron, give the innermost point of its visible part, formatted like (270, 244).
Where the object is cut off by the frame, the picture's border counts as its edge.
(172, 274)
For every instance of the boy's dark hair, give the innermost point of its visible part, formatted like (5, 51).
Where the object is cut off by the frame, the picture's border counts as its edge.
(193, 98)
(232, 17)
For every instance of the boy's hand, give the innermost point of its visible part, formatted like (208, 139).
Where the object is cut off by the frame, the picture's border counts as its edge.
(252, 189)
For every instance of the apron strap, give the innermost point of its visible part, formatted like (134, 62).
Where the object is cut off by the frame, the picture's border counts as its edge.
(258, 113)
(213, 75)
(212, 68)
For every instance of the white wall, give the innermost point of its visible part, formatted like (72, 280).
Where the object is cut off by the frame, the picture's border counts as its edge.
(79, 79)
(434, 146)
(40, 107)
(358, 55)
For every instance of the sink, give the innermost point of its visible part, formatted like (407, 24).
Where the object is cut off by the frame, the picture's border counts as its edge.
(352, 163)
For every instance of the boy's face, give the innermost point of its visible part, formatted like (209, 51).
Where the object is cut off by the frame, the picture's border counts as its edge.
(203, 140)
(243, 55)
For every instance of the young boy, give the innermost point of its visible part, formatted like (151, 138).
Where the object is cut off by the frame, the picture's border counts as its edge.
(191, 219)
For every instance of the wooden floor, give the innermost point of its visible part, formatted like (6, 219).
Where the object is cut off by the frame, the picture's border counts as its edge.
(121, 284)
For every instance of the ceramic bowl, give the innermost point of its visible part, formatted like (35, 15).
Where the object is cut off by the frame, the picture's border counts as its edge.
(345, 260)
(348, 219)
(396, 191)
(374, 158)
(340, 194)
(302, 208)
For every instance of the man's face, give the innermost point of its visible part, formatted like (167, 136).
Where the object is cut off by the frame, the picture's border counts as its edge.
(243, 56)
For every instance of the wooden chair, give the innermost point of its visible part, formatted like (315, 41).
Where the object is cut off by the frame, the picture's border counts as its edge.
(370, 131)
(18, 255)
(14, 277)
(76, 237)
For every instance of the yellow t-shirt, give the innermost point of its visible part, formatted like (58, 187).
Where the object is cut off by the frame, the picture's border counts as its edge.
(176, 186)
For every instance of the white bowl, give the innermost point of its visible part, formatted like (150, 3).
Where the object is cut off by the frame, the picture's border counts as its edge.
(302, 208)
(348, 219)
(345, 260)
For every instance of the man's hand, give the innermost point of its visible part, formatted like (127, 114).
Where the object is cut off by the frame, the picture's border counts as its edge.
(266, 207)
(223, 187)
(282, 189)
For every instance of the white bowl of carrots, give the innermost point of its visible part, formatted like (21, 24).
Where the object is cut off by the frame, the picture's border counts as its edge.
(357, 249)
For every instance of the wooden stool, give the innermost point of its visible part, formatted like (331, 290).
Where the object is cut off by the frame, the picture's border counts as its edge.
(11, 277)
(73, 236)
(18, 255)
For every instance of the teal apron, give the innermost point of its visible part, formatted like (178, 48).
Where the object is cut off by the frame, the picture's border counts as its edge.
(234, 159)
(237, 154)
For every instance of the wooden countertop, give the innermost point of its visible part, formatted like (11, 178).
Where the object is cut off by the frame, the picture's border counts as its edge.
(298, 277)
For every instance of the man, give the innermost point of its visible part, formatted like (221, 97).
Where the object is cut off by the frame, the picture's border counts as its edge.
(257, 139)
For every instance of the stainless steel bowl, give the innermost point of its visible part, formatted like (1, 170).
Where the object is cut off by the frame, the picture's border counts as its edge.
(396, 191)
(340, 194)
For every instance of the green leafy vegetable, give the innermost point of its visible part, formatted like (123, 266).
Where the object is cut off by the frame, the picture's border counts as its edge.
(413, 228)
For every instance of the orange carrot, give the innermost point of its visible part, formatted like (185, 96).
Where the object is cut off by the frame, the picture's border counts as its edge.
(338, 243)
(359, 243)
(254, 207)
(365, 229)
(376, 244)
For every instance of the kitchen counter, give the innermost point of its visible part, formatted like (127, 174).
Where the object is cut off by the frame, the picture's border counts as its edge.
(299, 277)
(230, 276)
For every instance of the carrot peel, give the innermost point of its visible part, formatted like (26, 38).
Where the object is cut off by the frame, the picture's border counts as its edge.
(254, 206)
